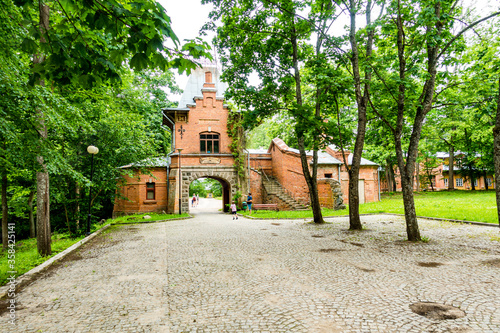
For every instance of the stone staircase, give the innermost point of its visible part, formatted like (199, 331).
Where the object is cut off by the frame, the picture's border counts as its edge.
(273, 187)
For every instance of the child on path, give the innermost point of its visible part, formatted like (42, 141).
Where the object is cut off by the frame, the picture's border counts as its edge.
(233, 210)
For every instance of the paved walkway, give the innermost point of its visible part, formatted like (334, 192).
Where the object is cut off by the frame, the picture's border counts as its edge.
(213, 274)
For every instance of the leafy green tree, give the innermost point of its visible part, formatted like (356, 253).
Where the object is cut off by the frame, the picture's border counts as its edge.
(213, 186)
(379, 148)
(198, 187)
(417, 39)
(482, 71)
(87, 43)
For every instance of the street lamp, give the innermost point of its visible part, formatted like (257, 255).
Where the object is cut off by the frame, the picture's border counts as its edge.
(92, 150)
(180, 181)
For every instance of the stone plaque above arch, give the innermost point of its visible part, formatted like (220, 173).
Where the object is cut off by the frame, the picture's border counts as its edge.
(209, 160)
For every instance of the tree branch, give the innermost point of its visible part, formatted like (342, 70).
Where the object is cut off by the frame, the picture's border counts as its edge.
(470, 26)
(380, 116)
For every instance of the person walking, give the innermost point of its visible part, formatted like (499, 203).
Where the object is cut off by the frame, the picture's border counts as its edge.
(193, 202)
(233, 210)
(249, 202)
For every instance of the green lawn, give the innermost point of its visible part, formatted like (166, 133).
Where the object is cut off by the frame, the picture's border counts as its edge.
(27, 256)
(138, 218)
(477, 206)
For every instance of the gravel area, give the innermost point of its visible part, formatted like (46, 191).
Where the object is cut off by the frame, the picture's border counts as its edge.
(216, 274)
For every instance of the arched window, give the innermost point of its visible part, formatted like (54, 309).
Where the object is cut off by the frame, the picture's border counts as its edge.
(209, 143)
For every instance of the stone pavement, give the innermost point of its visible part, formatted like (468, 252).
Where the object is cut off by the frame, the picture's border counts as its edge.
(213, 274)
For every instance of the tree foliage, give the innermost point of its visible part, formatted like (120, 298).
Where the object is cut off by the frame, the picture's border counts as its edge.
(76, 73)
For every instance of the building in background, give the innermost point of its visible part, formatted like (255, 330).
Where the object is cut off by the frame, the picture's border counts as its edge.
(199, 126)
(435, 177)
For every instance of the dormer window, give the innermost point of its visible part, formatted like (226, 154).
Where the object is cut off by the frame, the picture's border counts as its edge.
(209, 143)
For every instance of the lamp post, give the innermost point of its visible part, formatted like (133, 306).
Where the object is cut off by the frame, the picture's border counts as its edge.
(180, 181)
(92, 150)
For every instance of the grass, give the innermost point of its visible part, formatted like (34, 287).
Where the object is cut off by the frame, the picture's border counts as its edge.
(139, 218)
(479, 206)
(27, 256)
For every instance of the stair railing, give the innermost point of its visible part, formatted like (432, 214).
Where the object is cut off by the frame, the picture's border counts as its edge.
(265, 175)
(275, 185)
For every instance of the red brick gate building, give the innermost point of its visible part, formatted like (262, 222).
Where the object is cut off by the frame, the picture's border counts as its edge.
(199, 128)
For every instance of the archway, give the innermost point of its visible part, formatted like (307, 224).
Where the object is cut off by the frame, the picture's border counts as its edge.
(227, 176)
(214, 188)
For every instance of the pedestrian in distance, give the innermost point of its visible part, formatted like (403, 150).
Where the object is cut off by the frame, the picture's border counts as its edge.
(193, 201)
(233, 210)
(249, 202)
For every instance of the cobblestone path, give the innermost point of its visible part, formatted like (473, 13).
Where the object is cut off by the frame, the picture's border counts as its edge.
(213, 274)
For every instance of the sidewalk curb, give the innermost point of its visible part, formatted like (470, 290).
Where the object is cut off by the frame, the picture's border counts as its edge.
(484, 224)
(157, 221)
(27, 277)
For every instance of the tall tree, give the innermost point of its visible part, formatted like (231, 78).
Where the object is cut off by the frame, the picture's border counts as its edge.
(87, 44)
(406, 20)
(362, 92)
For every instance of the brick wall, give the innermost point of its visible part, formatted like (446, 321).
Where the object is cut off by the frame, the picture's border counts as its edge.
(135, 194)
(210, 116)
(287, 168)
(259, 163)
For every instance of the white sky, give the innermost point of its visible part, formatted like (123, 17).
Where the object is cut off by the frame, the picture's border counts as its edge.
(188, 16)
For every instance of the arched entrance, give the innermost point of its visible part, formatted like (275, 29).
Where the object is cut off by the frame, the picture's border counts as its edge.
(218, 187)
(227, 176)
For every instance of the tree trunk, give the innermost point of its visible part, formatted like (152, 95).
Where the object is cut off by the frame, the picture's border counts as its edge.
(42, 177)
(77, 209)
(406, 172)
(43, 213)
(412, 229)
(5, 212)
(471, 178)
(31, 218)
(393, 180)
(485, 176)
(361, 101)
(496, 150)
(388, 177)
(311, 181)
(430, 182)
(67, 217)
(451, 171)
(417, 177)
(407, 167)
(470, 161)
